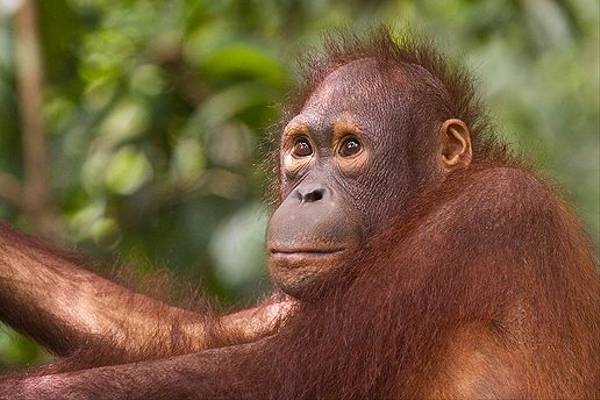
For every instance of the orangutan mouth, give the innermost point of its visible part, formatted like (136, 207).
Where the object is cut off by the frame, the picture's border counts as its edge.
(305, 252)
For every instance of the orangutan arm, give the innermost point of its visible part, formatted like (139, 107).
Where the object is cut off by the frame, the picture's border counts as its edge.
(213, 374)
(68, 308)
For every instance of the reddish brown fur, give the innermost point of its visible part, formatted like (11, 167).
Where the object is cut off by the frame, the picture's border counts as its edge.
(517, 275)
(503, 264)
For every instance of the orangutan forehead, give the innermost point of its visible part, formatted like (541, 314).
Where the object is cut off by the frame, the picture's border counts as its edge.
(344, 123)
(353, 83)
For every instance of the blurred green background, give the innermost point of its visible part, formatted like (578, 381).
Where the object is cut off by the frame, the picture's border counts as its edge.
(153, 114)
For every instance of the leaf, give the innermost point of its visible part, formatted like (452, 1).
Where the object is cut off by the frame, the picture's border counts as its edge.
(246, 61)
(128, 170)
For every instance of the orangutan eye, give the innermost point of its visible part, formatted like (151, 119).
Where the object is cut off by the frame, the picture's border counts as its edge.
(302, 147)
(350, 146)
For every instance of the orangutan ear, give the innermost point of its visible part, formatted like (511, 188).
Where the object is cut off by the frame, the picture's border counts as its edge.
(456, 144)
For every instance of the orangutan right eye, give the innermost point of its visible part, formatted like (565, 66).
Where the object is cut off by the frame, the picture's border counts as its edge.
(302, 147)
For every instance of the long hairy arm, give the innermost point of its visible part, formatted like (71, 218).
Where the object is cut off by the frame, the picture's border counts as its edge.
(213, 374)
(68, 309)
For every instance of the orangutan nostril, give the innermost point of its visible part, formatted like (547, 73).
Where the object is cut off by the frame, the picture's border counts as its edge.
(313, 196)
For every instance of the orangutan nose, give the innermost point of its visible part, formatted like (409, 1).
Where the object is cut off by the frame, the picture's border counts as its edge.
(311, 193)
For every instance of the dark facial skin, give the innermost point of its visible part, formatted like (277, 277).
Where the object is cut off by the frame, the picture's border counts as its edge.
(336, 156)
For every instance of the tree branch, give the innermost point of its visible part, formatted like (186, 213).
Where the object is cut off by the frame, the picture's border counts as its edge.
(36, 190)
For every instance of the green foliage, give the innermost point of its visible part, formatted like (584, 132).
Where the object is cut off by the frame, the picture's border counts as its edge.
(156, 111)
